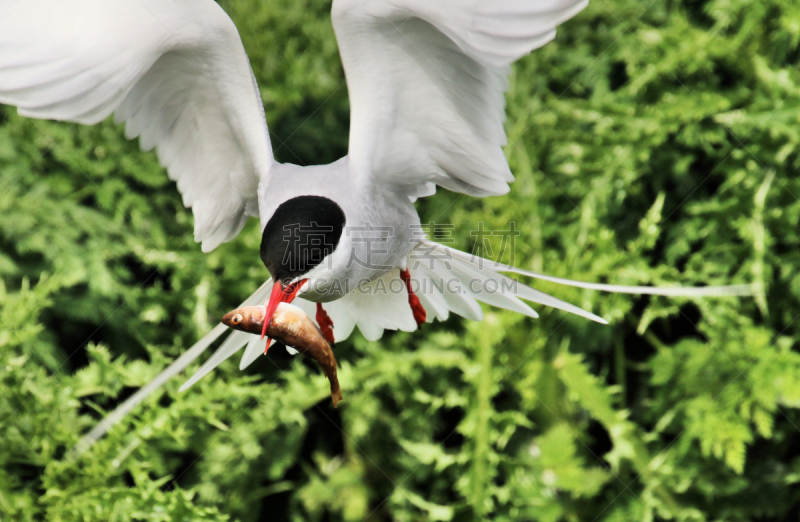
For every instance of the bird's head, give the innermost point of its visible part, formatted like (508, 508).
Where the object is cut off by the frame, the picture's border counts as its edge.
(298, 237)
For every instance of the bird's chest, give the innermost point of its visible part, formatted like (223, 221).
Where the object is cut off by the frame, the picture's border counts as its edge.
(376, 239)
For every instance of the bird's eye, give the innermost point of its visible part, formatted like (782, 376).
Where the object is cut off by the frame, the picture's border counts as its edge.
(236, 319)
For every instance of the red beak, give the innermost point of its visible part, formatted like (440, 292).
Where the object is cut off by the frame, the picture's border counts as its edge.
(280, 294)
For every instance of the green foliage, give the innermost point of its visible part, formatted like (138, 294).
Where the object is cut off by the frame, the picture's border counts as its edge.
(653, 143)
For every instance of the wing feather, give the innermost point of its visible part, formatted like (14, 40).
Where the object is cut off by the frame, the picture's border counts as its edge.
(174, 72)
(427, 82)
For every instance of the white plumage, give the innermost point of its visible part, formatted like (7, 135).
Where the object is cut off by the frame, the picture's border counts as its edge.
(175, 72)
(426, 80)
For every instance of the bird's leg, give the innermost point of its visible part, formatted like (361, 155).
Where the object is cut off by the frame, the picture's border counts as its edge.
(325, 323)
(413, 300)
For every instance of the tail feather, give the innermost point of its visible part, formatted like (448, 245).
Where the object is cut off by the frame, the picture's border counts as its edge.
(458, 302)
(670, 291)
(373, 312)
(172, 370)
(483, 283)
(435, 306)
(468, 274)
(522, 291)
(232, 344)
(168, 373)
(255, 347)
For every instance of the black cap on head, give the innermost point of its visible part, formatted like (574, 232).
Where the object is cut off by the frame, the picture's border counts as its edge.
(298, 236)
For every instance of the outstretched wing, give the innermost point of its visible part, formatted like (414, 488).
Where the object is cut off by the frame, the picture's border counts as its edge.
(174, 71)
(426, 81)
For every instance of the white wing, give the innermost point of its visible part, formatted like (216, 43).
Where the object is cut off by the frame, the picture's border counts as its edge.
(175, 71)
(426, 81)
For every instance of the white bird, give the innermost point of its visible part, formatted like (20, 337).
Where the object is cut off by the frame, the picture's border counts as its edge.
(426, 80)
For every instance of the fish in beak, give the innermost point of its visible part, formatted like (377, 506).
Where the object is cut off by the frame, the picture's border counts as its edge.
(293, 327)
(280, 294)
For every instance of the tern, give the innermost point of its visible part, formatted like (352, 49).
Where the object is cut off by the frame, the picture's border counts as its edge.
(426, 82)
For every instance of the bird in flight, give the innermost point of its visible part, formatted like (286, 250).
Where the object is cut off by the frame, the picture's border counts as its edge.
(426, 82)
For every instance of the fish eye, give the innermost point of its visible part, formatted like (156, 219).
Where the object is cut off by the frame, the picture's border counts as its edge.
(237, 319)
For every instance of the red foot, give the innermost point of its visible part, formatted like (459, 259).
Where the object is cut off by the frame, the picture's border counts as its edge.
(413, 300)
(325, 323)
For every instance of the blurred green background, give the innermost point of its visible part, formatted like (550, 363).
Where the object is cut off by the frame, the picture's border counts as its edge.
(654, 142)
